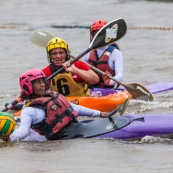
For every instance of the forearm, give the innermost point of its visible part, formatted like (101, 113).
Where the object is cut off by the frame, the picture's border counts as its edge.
(117, 67)
(88, 76)
(83, 111)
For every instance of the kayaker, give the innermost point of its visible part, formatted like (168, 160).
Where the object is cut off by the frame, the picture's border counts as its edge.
(47, 113)
(108, 59)
(74, 81)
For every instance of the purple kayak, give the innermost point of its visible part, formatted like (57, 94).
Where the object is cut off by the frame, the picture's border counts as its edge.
(144, 125)
(127, 127)
(153, 88)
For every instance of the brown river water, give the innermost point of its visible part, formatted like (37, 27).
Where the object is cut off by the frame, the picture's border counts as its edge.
(148, 58)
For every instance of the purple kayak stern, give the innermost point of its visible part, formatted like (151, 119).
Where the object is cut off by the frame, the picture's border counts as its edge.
(151, 125)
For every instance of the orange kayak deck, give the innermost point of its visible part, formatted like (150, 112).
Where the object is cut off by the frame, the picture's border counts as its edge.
(103, 103)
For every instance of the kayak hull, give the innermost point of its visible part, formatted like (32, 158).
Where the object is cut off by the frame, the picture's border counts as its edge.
(104, 103)
(151, 125)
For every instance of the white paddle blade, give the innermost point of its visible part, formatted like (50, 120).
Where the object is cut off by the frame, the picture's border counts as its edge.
(41, 38)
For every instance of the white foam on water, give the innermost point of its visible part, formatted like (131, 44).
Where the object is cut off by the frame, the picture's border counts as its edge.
(153, 139)
(137, 106)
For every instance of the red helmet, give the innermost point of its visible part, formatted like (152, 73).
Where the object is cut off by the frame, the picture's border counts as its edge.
(97, 25)
(27, 78)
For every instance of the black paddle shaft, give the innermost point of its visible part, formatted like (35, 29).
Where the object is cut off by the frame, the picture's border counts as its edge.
(10, 106)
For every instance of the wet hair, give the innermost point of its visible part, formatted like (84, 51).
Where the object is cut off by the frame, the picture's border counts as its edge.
(24, 96)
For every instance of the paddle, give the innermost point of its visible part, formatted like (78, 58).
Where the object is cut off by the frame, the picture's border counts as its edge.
(9, 106)
(108, 34)
(137, 90)
(40, 38)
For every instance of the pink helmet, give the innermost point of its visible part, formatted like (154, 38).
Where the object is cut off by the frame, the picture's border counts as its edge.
(26, 79)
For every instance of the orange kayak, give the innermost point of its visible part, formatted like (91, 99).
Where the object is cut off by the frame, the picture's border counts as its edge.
(104, 103)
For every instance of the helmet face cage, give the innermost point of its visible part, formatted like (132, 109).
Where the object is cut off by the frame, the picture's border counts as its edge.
(27, 78)
(57, 43)
(96, 26)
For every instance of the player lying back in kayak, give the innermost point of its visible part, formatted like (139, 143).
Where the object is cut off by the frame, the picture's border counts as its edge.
(47, 113)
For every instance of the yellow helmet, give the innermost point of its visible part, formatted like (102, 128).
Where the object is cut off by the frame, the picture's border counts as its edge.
(56, 43)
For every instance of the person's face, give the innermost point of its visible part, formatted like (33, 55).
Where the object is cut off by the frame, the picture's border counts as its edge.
(58, 56)
(39, 87)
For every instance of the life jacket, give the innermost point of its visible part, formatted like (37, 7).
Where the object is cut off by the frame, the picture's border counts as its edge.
(101, 63)
(59, 114)
(63, 83)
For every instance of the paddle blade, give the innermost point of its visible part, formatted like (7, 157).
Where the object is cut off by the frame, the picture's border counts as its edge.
(40, 38)
(109, 34)
(139, 92)
(122, 107)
